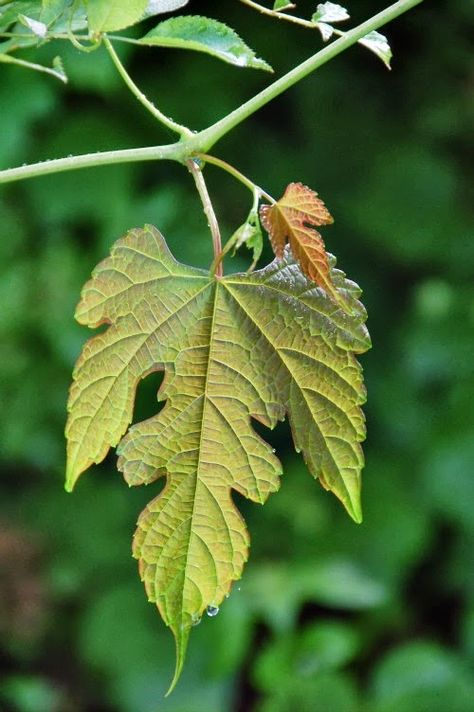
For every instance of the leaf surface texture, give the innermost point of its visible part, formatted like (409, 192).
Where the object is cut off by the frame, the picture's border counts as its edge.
(258, 345)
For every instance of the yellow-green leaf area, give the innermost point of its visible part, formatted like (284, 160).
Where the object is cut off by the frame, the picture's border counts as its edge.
(247, 346)
(112, 15)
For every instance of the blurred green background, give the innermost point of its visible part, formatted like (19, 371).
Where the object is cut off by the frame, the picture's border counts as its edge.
(329, 616)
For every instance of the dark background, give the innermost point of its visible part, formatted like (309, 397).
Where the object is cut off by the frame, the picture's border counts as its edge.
(329, 616)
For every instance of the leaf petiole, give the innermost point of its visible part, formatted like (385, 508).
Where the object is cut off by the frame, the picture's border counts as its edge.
(236, 174)
(279, 15)
(196, 172)
(144, 101)
(8, 59)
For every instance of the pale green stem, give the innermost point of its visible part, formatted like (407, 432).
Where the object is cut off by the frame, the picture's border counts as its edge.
(173, 151)
(203, 141)
(144, 101)
(289, 18)
(236, 174)
(8, 59)
(279, 15)
(201, 186)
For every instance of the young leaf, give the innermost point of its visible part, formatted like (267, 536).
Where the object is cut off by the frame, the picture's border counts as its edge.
(281, 5)
(112, 15)
(330, 12)
(326, 31)
(378, 44)
(250, 235)
(58, 67)
(37, 28)
(204, 35)
(292, 219)
(244, 346)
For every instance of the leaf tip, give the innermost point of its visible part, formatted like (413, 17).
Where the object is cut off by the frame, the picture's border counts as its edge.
(354, 508)
(181, 639)
(71, 480)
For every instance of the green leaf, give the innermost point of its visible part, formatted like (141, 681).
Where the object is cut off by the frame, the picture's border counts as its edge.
(250, 235)
(35, 26)
(280, 5)
(158, 7)
(58, 67)
(326, 31)
(245, 346)
(112, 15)
(10, 14)
(330, 12)
(204, 35)
(378, 44)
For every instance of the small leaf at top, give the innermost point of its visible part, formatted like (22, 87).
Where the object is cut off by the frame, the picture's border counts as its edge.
(326, 31)
(330, 12)
(293, 219)
(250, 235)
(378, 44)
(204, 35)
(280, 5)
(243, 347)
(58, 66)
(112, 15)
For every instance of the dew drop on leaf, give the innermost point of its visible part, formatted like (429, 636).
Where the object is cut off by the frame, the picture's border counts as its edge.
(212, 611)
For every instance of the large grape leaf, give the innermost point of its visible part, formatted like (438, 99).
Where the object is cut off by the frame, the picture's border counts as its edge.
(245, 346)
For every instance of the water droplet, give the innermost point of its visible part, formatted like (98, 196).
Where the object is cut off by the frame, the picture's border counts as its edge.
(273, 450)
(196, 620)
(212, 611)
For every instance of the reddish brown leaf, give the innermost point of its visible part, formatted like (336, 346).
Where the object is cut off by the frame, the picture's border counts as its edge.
(293, 219)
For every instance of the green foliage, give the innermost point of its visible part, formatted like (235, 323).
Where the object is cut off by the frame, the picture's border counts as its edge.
(255, 345)
(34, 22)
(329, 12)
(203, 34)
(111, 15)
(280, 5)
(398, 182)
(377, 43)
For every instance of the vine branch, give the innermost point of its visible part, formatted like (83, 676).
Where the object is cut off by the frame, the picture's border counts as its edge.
(203, 141)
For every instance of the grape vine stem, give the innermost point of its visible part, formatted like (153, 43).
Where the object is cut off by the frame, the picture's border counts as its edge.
(202, 141)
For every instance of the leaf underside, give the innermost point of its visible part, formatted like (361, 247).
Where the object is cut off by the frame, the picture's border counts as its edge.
(257, 345)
